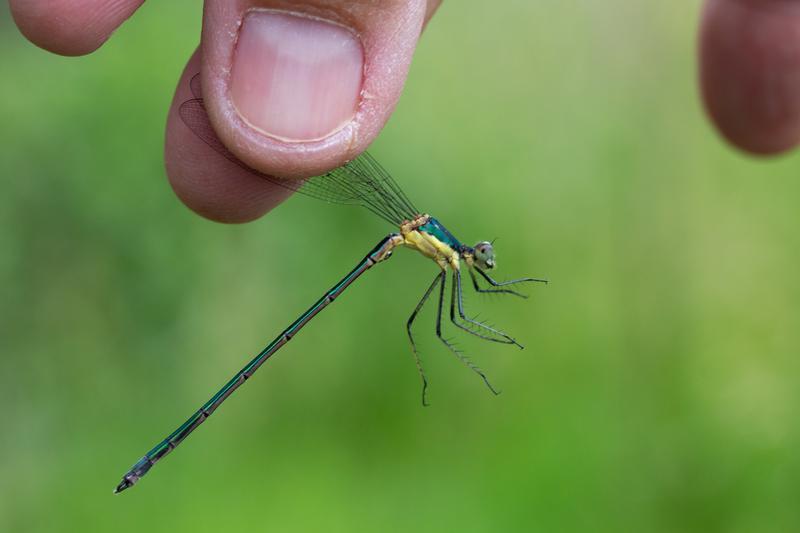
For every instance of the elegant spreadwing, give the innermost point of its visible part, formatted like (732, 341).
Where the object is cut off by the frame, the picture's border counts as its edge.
(362, 182)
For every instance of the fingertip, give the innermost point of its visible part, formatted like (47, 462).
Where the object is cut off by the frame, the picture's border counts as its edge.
(297, 89)
(70, 27)
(749, 62)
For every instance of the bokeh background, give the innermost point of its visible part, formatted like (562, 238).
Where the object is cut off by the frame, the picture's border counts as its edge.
(659, 387)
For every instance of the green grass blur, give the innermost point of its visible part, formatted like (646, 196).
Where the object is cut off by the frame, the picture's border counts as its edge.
(659, 388)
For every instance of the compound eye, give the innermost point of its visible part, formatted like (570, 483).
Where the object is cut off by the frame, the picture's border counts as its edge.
(484, 254)
(484, 248)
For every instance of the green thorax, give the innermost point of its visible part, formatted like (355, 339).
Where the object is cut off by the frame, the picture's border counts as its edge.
(435, 228)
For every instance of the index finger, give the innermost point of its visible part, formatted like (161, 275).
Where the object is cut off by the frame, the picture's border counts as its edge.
(70, 27)
(750, 72)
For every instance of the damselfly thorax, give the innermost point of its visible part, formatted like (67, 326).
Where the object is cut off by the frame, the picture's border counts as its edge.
(415, 236)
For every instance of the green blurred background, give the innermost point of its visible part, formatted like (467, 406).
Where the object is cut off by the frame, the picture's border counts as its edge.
(659, 387)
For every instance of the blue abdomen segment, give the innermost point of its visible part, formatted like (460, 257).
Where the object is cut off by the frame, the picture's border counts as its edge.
(435, 228)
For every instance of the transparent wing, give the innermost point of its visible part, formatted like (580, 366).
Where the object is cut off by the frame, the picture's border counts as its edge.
(362, 181)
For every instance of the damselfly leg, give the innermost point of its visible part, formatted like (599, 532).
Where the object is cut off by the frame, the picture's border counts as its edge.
(457, 296)
(494, 283)
(410, 323)
(478, 329)
(450, 346)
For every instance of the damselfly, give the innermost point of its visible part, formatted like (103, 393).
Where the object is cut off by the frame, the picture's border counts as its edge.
(360, 182)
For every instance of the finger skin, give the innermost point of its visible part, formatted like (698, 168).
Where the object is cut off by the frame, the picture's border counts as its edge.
(433, 5)
(219, 190)
(750, 72)
(205, 181)
(71, 27)
(388, 31)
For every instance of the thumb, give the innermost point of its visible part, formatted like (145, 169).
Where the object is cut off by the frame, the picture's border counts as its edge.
(293, 89)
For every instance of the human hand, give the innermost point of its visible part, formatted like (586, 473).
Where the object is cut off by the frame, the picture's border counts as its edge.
(293, 88)
(750, 72)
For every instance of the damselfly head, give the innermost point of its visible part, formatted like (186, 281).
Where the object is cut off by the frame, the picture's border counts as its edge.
(484, 255)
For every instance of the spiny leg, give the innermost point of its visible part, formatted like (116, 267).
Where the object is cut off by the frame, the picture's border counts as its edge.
(457, 298)
(499, 283)
(472, 366)
(459, 294)
(411, 319)
(492, 291)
